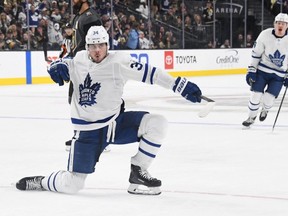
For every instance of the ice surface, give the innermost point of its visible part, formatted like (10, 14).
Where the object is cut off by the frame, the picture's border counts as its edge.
(209, 166)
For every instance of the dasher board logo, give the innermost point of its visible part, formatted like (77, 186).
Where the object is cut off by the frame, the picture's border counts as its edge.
(169, 59)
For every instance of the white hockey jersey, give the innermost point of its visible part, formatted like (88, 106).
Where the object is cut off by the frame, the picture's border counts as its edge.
(98, 88)
(270, 53)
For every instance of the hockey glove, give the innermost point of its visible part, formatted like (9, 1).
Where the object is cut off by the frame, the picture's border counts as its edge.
(251, 75)
(59, 72)
(187, 89)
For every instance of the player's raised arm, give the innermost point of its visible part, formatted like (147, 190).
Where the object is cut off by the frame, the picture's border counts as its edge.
(149, 74)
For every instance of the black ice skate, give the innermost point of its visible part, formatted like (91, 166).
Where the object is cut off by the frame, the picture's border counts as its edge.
(30, 183)
(263, 115)
(249, 122)
(138, 178)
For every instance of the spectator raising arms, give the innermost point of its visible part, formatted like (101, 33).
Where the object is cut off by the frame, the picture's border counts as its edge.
(133, 37)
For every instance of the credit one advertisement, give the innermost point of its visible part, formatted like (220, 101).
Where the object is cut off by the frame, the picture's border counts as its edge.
(197, 62)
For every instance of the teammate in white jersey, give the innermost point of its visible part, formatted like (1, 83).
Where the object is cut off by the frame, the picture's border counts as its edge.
(99, 118)
(268, 69)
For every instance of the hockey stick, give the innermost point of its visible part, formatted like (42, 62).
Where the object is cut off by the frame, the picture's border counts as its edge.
(279, 109)
(206, 98)
(208, 107)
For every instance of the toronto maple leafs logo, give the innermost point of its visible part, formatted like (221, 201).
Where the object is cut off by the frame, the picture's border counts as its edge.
(88, 92)
(277, 59)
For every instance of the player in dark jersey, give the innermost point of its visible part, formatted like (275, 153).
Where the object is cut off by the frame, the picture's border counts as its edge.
(85, 17)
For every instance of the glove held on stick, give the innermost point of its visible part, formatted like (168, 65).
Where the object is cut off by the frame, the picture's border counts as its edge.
(187, 89)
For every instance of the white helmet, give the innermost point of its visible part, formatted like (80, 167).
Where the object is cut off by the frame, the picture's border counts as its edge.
(97, 35)
(281, 17)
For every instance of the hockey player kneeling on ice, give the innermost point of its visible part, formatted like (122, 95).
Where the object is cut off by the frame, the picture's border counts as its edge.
(267, 72)
(98, 119)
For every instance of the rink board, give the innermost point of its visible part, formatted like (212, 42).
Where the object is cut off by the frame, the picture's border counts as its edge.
(31, 68)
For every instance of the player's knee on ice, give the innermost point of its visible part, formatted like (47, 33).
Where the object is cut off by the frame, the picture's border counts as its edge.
(64, 182)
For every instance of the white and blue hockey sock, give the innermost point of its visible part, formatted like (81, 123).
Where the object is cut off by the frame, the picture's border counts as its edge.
(254, 103)
(64, 182)
(152, 131)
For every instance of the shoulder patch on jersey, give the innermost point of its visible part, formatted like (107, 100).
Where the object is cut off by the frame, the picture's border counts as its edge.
(88, 92)
(277, 58)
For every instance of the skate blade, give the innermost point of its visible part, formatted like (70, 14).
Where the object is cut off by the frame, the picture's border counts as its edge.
(137, 190)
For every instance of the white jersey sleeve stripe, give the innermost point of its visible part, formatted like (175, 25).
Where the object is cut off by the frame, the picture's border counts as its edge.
(256, 57)
(152, 75)
(145, 73)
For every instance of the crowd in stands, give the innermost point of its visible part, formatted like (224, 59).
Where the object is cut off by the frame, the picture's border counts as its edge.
(127, 21)
(277, 6)
(45, 19)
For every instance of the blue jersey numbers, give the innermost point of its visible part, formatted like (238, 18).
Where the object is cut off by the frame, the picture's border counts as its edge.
(137, 65)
